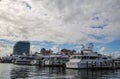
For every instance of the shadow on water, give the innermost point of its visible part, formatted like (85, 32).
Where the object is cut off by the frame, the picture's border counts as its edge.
(34, 72)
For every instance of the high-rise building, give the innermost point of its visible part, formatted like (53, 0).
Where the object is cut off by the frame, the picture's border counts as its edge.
(21, 47)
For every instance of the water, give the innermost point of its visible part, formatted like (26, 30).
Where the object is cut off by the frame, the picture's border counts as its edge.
(10, 71)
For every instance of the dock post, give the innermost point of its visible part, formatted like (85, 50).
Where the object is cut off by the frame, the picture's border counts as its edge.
(87, 64)
(87, 67)
(100, 65)
(95, 66)
(91, 65)
(113, 65)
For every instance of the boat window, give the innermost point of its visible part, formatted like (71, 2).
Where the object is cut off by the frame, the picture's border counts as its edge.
(76, 57)
(93, 57)
(22, 61)
(79, 57)
(85, 57)
(104, 58)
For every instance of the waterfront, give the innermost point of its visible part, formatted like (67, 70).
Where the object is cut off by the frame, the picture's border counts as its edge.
(10, 71)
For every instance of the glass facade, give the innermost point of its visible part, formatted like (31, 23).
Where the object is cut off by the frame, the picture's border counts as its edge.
(21, 48)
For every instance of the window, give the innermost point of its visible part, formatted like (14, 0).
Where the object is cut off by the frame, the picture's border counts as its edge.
(85, 57)
(104, 57)
(92, 57)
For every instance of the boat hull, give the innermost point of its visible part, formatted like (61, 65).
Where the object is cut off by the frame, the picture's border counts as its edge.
(89, 65)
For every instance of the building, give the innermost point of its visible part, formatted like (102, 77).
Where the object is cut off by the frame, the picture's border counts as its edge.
(43, 51)
(21, 48)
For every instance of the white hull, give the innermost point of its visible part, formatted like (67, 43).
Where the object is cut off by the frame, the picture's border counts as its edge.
(35, 62)
(22, 62)
(88, 64)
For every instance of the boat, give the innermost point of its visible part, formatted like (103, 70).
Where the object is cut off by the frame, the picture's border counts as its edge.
(23, 60)
(55, 60)
(87, 58)
(36, 62)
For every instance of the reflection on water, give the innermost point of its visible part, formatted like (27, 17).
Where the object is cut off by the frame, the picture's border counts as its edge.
(19, 72)
(35, 72)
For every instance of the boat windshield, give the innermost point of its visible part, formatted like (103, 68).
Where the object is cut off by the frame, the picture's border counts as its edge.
(93, 57)
(89, 57)
(104, 57)
(76, 57)
(85, 57)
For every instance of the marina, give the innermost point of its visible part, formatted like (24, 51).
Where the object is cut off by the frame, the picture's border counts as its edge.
(87, 58)
(66, 64)
(59, 39)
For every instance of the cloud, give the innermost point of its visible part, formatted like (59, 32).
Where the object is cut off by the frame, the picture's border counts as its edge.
(114, 54)
(60, 21)
(35, 48)
(55, 49)
(102, 50)
(5, 49)
(117, 54)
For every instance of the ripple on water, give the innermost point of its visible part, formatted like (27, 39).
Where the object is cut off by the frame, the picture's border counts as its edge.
(9, 71)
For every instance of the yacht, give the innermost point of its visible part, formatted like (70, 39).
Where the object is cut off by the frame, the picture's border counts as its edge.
(23, 60)
(55, 60)
(89, 59)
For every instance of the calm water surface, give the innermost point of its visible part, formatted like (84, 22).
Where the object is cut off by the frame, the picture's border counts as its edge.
(10, 71)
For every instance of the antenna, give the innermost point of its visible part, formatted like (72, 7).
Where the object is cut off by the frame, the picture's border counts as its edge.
(58, 50)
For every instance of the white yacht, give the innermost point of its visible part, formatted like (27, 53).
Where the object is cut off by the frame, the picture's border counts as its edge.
(23, 60)
(55, 60)
(89, 59)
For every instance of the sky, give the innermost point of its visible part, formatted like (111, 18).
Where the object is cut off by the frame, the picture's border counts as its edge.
(54, 24)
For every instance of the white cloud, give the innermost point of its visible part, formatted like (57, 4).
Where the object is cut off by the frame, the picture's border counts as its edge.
(55, 49)
(35, 48)
(102, 50)
(60, 21)
(5, 49)
(116, 54)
